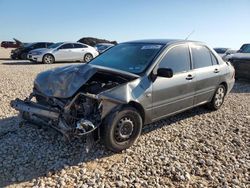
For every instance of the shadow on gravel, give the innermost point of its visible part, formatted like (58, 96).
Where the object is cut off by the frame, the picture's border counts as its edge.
(29, 152)
(241, 86)
(26, 62)
(173, 119)
(22, 62)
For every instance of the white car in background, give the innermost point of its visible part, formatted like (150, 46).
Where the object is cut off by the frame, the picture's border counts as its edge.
(63, 51)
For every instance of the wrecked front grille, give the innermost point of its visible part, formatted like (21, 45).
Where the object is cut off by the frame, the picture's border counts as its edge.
(73, 117)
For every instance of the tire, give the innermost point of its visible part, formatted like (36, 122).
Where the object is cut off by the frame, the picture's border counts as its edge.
(87, 58)
(218, 98)
(48, 59)
(121, 129)
(23, 56)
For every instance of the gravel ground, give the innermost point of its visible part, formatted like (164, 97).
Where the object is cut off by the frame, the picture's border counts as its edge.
(197, 148)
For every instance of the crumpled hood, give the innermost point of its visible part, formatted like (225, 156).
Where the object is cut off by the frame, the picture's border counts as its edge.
(63, 82)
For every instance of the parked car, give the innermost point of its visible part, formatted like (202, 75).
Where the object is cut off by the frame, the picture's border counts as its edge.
(225, 53)
(102, 47)
(241, 62)
(11, 44)
(63, 51)
(132, 84)
(21, 52)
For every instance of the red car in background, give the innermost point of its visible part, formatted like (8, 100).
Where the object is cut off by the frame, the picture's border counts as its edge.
(11, 44)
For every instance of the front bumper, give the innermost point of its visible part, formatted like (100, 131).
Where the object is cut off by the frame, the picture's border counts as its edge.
(54, 117)
(35, 58)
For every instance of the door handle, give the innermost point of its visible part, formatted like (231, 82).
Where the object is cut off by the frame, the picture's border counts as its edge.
(216, 70)
(189, 77)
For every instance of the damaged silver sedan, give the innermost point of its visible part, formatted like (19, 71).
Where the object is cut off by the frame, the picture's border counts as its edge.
(131, 84)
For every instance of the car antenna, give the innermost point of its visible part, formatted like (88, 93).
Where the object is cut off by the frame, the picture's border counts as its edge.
(189, 34)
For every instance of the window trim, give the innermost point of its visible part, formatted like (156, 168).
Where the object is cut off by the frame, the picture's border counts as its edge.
(168, 50)
(72, 46)
(83, 46)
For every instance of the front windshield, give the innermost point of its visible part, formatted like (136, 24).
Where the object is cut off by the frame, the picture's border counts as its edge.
(55, 45)
(246, 49)
(28, 45)
(130, 57)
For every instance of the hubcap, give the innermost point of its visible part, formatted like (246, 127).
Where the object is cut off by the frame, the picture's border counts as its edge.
(48, 59)
(88, 58)
(124, 129)
(219, 96)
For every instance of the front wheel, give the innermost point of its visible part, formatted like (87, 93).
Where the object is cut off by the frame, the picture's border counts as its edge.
(23, 56)
(48, 59)
(87, 58)
(218, 98)
(121, 129)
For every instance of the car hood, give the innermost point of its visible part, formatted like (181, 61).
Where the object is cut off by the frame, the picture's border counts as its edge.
(241, 56)
(43, 50)
(65, 81)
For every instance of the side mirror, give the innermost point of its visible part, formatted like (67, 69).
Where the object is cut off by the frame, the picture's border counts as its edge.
(165, 72)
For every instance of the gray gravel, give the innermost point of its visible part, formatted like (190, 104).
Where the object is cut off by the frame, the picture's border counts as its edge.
(197, 148)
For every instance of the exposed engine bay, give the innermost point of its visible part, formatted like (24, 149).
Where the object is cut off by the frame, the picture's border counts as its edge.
(75, 116)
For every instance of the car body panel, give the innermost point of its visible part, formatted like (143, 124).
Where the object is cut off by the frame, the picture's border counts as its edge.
(154, 96)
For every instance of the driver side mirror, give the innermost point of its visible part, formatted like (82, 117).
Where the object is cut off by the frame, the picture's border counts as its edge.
(165, 72)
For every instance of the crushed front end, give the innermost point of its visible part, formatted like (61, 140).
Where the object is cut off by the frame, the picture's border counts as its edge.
(72, 117)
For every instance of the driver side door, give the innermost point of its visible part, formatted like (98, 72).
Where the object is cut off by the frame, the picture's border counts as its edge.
(175, 94)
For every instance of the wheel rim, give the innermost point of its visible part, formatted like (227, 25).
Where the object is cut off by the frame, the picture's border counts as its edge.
(124, 129)
(219, 96)
(88, 57)
(48, 59)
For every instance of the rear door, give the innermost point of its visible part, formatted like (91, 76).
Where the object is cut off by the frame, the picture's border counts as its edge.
(171, 95)
(79, 51)
(207, 71)
(65, 52)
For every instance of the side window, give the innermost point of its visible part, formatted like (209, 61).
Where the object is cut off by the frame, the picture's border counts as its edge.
(214, 60)
(79, 46)
(39, 45)
(177, 59)
(66, 46)
(201, 56)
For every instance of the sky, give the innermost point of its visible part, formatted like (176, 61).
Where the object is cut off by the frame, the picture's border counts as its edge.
(219, 23)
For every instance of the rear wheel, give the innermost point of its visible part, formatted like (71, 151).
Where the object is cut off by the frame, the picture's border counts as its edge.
(88, 57)
(121, 129)
(48, 59)
(218, 98)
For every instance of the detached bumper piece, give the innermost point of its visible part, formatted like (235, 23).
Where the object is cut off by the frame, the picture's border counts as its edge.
(64, 117)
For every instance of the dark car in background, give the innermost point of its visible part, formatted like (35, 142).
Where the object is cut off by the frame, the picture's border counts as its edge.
(131, 84)
(102, 47)
(225, 53)
(241, 62)
(21, 52)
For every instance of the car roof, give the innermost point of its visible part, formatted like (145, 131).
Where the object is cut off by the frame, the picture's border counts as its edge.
(162, 41)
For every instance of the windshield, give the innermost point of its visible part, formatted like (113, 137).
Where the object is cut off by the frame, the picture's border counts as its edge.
(130, 57)
(28, 45)
(55, 45)
(245, 48)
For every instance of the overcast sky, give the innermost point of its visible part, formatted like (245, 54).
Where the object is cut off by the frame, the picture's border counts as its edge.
(219, 23)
